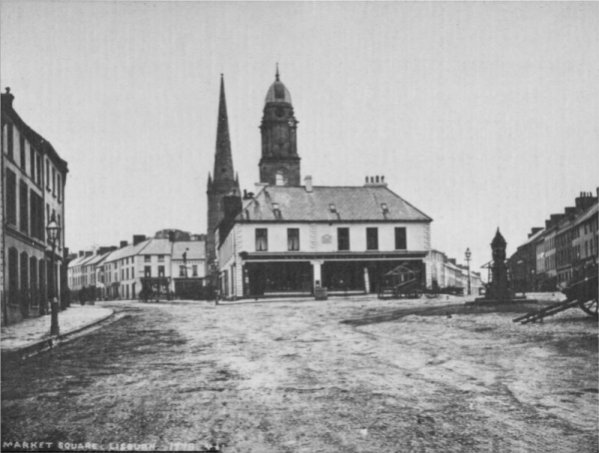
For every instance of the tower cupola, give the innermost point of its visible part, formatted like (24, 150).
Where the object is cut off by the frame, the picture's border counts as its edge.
(278, 92)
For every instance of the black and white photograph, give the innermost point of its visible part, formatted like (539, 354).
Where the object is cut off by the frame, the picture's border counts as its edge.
(299, 226)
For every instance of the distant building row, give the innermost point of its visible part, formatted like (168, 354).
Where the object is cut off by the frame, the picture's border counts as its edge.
(564, 250)
(170, 263)
(33, 178)
(445, 273)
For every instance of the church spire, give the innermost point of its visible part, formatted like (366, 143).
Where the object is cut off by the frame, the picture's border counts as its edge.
(223, 161)
(277, 73)
(224, 182)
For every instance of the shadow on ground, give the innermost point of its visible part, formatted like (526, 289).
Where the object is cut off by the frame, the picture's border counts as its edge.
(375, 316)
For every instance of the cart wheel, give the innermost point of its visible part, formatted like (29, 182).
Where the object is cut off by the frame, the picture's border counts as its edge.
(590, 307)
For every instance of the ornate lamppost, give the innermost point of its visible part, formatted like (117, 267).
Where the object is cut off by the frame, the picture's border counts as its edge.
(468, 256)
(53, 230)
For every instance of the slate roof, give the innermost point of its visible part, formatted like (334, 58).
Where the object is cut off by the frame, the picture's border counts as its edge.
(98, 258)
(534, 237)
(197, 250)
(353, 203)
(78, 261)
(592, 211)
(156, 247)
(127, 251)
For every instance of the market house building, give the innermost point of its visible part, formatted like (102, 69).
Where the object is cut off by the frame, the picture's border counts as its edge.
(288, 240)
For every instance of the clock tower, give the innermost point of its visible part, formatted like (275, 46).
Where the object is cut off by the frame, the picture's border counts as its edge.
(280, 163)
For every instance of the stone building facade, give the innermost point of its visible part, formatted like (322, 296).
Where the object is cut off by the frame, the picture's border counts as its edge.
(33, 182)
(561, 252)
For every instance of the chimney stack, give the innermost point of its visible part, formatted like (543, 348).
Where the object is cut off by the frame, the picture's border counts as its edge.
(534, 231)
(7, 98)
(308, 182)
(123, 244)
(376, 181)
(137, 238)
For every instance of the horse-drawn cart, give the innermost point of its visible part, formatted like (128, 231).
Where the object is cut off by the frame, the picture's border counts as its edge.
(585, 292)
(580, 293)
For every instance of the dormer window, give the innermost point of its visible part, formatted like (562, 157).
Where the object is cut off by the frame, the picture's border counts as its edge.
(385, 208)
(276, 211)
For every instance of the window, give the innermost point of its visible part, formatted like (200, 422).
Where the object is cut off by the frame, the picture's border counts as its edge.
(161, 258)
(147, 271)
(372, 239)
(11, 197)
(13, 273)
(22, 153)
(293, 240)
(400, 238)
(147, 258)
(261, 239)
(23, 207)
(53, 181)
(160, 271)
(9, 140)
(32, 163)
(36, 211)
(58, 187)
(342, 238)
(194, 270)
(38, 166)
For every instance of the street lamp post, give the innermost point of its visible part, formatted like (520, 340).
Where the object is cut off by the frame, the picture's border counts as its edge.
(468, 256)
(185, 262)
(53, 230)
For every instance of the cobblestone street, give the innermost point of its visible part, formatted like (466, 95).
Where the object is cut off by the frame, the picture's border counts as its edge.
(358, 375)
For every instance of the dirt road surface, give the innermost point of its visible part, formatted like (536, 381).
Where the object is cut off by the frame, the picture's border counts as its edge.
(358, 375)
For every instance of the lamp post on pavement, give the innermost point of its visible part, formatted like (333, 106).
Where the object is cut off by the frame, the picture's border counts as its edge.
(185, 262)
(468, 256)
(53, 230)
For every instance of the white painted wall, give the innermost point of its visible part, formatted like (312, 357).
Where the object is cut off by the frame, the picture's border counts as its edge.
(322, 237)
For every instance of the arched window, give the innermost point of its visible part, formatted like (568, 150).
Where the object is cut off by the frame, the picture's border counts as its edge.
(24, 271)
(33, 282)
(33, 272)
(13, 270)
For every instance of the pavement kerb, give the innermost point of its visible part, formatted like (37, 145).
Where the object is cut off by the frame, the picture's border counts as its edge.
(36, 347)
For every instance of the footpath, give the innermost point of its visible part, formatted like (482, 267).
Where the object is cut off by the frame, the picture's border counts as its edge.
(32, 336)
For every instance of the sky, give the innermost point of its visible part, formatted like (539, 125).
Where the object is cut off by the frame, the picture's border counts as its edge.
(482, 115)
